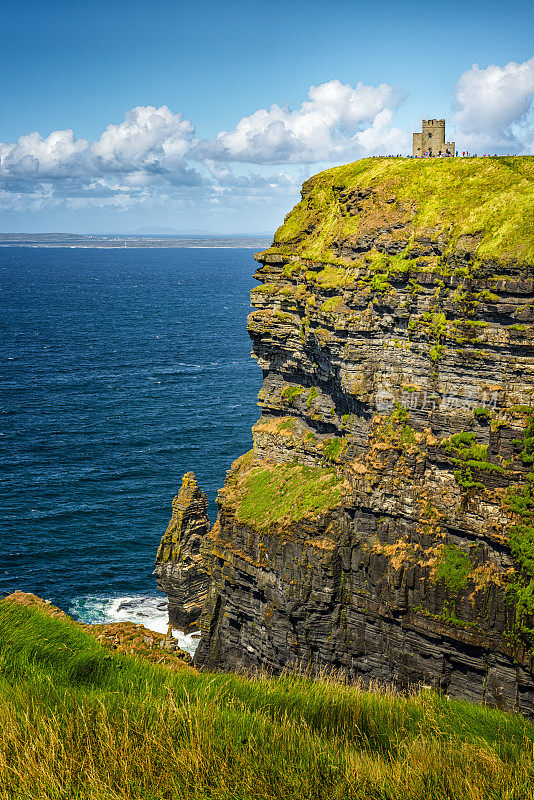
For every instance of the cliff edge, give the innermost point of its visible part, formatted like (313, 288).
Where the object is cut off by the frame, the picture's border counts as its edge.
(383, 523)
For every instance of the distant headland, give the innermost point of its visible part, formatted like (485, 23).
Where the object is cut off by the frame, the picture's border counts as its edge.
(128, 240)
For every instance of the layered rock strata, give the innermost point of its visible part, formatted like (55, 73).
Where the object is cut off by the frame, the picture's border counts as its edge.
(383, 523)
(179, 568)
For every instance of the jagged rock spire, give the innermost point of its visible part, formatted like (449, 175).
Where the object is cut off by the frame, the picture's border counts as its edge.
(179, 571)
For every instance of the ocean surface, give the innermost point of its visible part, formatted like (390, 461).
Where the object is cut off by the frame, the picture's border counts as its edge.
(119, 371)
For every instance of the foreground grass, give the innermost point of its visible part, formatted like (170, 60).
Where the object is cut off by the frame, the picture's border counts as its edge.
(80, 722)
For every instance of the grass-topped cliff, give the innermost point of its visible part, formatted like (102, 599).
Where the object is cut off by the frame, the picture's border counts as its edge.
(79, 721)
(482, 205)
(383, 523)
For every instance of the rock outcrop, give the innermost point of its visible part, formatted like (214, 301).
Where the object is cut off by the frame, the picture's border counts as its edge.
(179, 569)
(383, 523)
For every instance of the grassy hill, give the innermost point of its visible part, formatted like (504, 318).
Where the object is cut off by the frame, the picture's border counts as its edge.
(80, 721)
(488, 200)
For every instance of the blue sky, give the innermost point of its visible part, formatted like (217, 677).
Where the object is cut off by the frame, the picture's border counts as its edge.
(207, 116)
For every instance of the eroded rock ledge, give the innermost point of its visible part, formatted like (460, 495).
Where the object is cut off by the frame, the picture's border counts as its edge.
(383, 523)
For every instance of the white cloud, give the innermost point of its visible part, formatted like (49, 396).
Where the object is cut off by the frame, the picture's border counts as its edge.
(327, 127)
(153, 158)
(381, 137)
(153, 153)
(493, 106)
(150, 140)
(57, 155)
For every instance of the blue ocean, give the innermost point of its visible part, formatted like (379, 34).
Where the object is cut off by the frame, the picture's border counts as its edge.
(121, 369)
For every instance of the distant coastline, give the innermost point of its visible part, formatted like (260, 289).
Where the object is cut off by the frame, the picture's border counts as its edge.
(113, 241)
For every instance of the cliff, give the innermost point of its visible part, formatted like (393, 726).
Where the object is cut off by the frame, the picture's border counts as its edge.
(383, 523)
(179, 569)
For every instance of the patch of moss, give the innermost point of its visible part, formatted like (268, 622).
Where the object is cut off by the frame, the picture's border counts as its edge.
(287, 424)
(290, 392)
(334, 277)
(265, 288)
(453, 568)
(486, 296)
(468, 455)
(400, 414)
(474, 323)
(332, 304)
(521, 534)
(415, 288)
(379, 283)
(333, 448)
(407, 437)
(281, 316)
(292, 268)
(396, 431)
(287, 492)
(448, 616)
(435, 353)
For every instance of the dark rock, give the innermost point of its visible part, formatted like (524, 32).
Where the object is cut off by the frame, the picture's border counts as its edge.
(179, 570)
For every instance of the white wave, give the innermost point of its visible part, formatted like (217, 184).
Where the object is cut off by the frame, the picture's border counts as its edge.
(150, 611)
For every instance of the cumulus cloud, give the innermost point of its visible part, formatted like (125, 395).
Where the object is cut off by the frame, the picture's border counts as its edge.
(382, 137)
(150, 140)
(59, 154)
(494, 105)
(153, 156)
(326, 127)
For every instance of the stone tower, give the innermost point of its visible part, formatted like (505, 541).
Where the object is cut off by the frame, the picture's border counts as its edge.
(431, 142)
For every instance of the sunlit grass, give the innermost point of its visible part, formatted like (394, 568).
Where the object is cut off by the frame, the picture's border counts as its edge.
(80, 722)
(491, 198)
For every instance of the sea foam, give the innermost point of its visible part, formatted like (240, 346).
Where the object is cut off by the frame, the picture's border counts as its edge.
(150, 611)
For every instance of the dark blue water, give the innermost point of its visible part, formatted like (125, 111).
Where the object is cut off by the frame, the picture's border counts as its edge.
(120, 371)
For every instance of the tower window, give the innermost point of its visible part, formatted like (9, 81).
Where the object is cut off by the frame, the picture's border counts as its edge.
(429, 135)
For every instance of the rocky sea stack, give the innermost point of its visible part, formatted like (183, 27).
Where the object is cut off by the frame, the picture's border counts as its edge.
(179, 569)
(383, 523)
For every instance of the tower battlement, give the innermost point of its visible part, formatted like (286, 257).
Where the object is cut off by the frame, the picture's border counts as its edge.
(431, 141)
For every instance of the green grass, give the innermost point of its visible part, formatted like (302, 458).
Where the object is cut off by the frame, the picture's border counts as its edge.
(453, 567)
(521, 534)
(119, 728)
(285, 493)
(487, 198)
(290, 392)
(334, 447)
(468, 455)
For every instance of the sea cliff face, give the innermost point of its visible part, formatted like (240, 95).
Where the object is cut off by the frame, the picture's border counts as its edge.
(383, 523)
